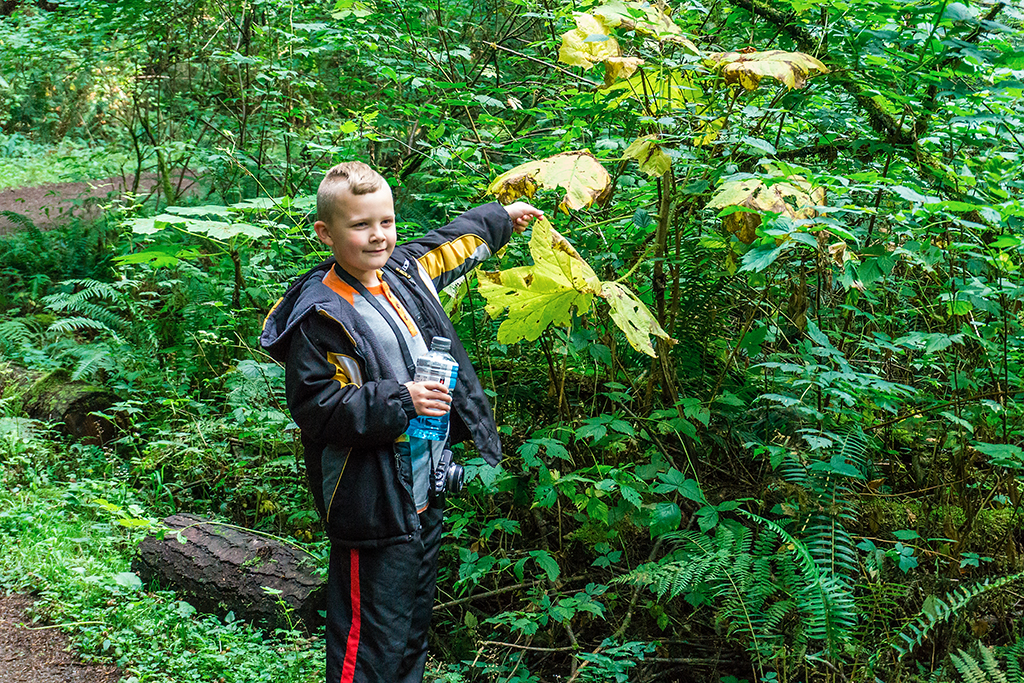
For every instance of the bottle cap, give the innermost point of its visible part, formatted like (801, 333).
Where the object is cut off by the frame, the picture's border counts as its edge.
(440, 344)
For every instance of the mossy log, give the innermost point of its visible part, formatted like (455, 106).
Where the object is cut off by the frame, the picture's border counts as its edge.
(56, 399)
(222, 568)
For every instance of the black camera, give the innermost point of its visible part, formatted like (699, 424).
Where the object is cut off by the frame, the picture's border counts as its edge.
(448, 477)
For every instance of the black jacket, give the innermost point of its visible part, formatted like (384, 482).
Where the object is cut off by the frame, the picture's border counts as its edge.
(342, 391)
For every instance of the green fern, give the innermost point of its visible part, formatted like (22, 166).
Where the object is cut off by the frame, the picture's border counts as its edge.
(83, 301)
(823, 597)
(77, 324)
(985, 667)
(939, 611)
(15, 334)
(773, 598)
(91, 359)
(21, 220)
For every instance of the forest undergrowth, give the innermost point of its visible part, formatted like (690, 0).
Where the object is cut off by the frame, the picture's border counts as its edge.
(757, 378)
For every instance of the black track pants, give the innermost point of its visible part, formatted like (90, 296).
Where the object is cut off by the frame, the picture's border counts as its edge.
(379, 602)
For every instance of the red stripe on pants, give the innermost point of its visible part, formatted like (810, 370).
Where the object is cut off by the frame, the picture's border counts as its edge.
(348, 670)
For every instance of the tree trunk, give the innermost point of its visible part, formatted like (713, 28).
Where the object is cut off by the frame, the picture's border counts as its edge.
(223, 568)
(57, 399)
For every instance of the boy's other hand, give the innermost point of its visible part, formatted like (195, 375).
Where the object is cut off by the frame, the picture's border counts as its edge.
(429, 398)
(521, 214)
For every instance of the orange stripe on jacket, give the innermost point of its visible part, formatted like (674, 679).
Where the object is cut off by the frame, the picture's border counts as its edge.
(348, 293)
(340, 287)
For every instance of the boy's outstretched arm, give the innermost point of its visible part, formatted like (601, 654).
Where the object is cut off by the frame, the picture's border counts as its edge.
(445, 254)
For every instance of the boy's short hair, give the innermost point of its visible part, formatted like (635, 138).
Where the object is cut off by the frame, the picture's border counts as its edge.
(355, 176)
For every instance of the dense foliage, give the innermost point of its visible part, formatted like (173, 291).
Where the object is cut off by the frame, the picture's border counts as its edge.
(761, 410)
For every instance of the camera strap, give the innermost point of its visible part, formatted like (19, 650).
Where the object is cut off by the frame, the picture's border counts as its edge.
(372, 300)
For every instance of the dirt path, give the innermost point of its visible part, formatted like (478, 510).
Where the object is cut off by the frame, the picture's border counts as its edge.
(41, 655)
(55, 203)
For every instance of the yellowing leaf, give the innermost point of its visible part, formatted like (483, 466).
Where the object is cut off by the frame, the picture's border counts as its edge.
(545, 293)
(659, 90)
(588, 44)
(584, 178)
(708, 132)
(648, 152)
(542, 294)
(632, 317)
(790, 68)
(653, 22)
(617, 68)
(794, 198)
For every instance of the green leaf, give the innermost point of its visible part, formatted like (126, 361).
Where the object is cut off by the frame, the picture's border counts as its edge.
(665, 518)
(592, 430)
(160, 255)
(128, 580)
(757, 260)
(914, 196)
(707, 518)
(198, 211)
(546, 562)
(220, 230)
(1002, 454)
(691, 490)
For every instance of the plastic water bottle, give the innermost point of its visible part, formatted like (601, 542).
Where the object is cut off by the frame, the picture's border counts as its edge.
(436, 365)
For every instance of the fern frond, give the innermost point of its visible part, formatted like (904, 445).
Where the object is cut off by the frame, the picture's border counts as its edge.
(917, 631)
(827, 599)
(95, 357)
(20, 219)
(1015, 662)
(982, 670)
(76, 324)
(15, 334)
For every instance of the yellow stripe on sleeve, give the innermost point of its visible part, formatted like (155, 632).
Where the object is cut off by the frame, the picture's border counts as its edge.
(450, 255)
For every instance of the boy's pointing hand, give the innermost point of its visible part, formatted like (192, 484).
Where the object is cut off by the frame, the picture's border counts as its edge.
(521, 214)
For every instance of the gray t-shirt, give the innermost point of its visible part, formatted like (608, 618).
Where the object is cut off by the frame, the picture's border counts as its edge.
(420, 451)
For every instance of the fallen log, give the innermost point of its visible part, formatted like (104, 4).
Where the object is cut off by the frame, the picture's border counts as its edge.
(223, 568)
(56, 399)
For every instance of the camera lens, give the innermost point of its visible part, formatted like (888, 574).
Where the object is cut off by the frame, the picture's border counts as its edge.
(454, 478)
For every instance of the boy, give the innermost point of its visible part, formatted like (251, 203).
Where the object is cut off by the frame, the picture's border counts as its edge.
(348, 332)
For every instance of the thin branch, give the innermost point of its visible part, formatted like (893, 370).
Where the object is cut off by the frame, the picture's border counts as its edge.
(528, 647)
(579, 78)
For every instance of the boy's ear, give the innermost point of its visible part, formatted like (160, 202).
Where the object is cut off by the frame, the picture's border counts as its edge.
(323, 233)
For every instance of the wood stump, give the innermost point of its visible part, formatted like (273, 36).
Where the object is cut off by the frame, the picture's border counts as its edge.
(56, 399)
(223, 568)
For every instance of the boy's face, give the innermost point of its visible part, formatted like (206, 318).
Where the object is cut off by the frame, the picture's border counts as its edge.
(362, 233)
